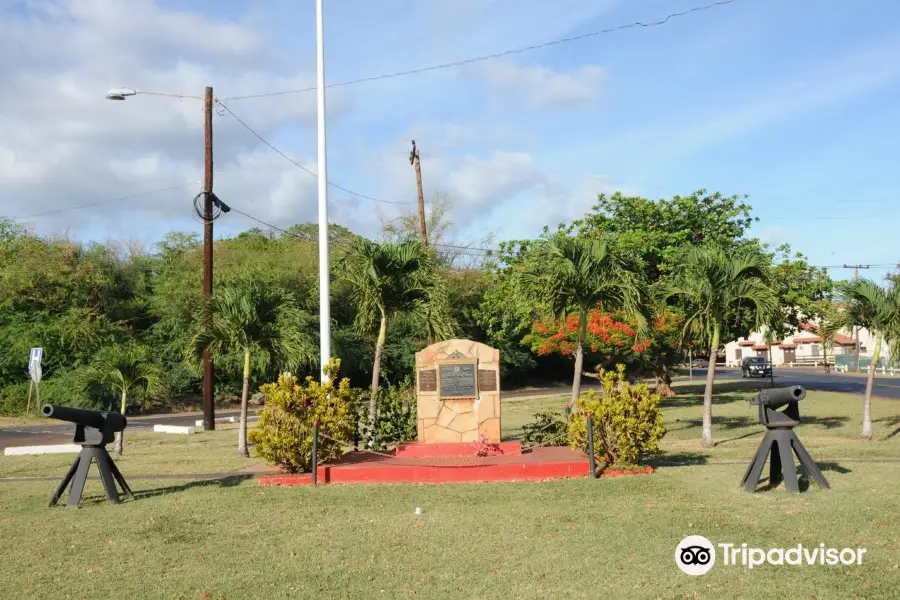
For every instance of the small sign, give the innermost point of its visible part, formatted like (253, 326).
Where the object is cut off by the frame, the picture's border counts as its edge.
(34, 369)
(37, 354)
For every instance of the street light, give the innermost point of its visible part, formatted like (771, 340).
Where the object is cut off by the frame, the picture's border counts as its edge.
(123, 92)
(209, 411)
(119, 93)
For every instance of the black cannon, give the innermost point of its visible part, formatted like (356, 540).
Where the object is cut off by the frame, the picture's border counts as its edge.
(780, 441)
(93, 430)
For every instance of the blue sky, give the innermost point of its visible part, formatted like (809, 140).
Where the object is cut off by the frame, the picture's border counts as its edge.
(795, 104)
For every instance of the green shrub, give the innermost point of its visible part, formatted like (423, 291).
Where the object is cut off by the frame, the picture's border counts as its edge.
(63, 389)
(547, 429)
(627, 421)
(283, 435)
(395, 421)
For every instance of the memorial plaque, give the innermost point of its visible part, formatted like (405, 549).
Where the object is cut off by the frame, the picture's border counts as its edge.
(457, 380)
(487, 380)
(457, 394)
(427, 380)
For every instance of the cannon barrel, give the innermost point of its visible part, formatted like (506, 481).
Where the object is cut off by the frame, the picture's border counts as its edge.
(779, 397)
(89, 418)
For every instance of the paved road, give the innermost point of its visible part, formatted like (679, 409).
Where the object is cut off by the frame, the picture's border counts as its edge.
(886, 386)
(55, 432)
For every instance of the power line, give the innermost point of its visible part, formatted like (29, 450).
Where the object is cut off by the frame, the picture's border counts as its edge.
(99, 203)
(496, 55)
(478, 251)
(466, 249)
(301, 167)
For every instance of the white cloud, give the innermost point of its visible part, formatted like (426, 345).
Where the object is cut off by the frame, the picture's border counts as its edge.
(507, 192)
(480, 183)
(64, 144)
(562, 198)
(542, 87)
(774, 236)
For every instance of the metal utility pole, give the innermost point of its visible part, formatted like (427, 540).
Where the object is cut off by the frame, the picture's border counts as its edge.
(324, 281)
(414, 161)
(209, 408)
(856, 269)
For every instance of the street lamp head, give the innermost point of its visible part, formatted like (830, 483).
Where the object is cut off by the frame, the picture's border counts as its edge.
(120, 93)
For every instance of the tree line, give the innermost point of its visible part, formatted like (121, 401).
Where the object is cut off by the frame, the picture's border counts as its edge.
(634, 281)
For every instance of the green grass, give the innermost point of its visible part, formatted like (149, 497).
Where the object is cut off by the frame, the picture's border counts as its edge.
(582, 539)
(830, 424)
(148, 453)
(830, 429)
(579, 539)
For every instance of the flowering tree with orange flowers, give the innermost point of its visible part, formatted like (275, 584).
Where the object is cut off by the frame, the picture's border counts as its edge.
(612, 338)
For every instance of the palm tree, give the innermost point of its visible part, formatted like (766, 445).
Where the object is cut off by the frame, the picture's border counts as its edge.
(878, 310)
(580, 274)
(712, 284)
(124, 369)
(388, 278)
(261, 322)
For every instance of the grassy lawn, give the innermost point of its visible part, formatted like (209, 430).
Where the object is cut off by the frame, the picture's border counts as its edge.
(230, 538)
(148, 453)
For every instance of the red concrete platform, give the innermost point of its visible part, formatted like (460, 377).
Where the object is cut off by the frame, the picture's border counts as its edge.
(362, 467)
(419, 450)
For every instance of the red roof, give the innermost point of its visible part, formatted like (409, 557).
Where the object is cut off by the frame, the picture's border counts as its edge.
(788, 346)
(807, 340)
(844, 340)
(746, 343)
(807, 326)
(760, 347)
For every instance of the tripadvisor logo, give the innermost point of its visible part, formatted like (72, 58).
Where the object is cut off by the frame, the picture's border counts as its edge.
(696, 555)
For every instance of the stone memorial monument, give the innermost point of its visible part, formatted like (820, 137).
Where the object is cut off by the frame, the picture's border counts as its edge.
(458, 393)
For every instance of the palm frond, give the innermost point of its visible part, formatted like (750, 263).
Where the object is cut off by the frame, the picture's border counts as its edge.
(123, 368)
(250, 316)
(711, 282)
(395, 277)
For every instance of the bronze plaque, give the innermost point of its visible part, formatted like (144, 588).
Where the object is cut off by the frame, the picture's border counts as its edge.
(427, 380)
(487, 380)
(458, 380)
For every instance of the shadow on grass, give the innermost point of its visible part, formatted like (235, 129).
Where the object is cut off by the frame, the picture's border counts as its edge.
(678, 459)
(726, 422)
(740, 437)
(743, 422)
(803, 479)
(890, 422)
(728, 387)
(222, 482)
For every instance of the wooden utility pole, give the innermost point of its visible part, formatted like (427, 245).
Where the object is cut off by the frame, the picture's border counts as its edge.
(209, 409)
(856, 269)
(414, 161)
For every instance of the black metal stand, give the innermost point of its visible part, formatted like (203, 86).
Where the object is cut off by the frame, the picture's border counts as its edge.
(590, 440)
(782, 444)
(315, 454)
(78, 473)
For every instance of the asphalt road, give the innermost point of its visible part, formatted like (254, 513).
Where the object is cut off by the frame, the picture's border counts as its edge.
(55, 432)
(886, 386)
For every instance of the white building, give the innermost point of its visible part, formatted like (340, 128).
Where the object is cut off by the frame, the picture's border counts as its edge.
(804, 348)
